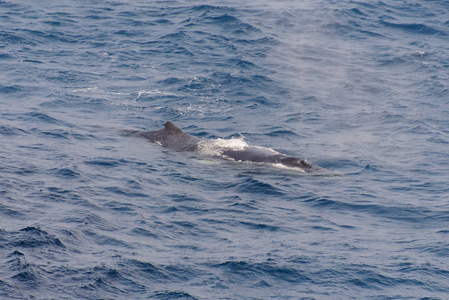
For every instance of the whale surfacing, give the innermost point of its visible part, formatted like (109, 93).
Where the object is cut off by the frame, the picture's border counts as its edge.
(174, 137)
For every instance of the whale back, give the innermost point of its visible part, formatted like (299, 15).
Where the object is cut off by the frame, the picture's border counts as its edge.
(173, 137)
(170, 129)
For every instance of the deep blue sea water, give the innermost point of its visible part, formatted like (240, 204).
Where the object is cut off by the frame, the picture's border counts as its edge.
(360, 88)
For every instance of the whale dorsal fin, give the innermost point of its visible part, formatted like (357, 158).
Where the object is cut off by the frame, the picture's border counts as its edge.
(171, 128)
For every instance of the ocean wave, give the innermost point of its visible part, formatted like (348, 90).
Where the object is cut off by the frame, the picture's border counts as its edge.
(415, 28)
(359, 87)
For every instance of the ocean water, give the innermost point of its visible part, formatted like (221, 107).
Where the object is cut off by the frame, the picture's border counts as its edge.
(360, 88)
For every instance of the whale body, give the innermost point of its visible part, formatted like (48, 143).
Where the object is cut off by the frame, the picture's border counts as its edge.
(173, 137)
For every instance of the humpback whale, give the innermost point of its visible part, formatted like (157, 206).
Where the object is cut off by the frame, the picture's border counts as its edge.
(174, 137)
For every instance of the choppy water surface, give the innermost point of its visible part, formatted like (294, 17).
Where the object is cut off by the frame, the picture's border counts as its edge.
(357, 87)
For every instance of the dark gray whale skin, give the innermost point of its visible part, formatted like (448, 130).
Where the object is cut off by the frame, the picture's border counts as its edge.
(171, 137)
(175, 138)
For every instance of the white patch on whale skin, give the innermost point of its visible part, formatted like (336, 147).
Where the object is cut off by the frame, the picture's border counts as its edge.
(217, 146)
(295, 169)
